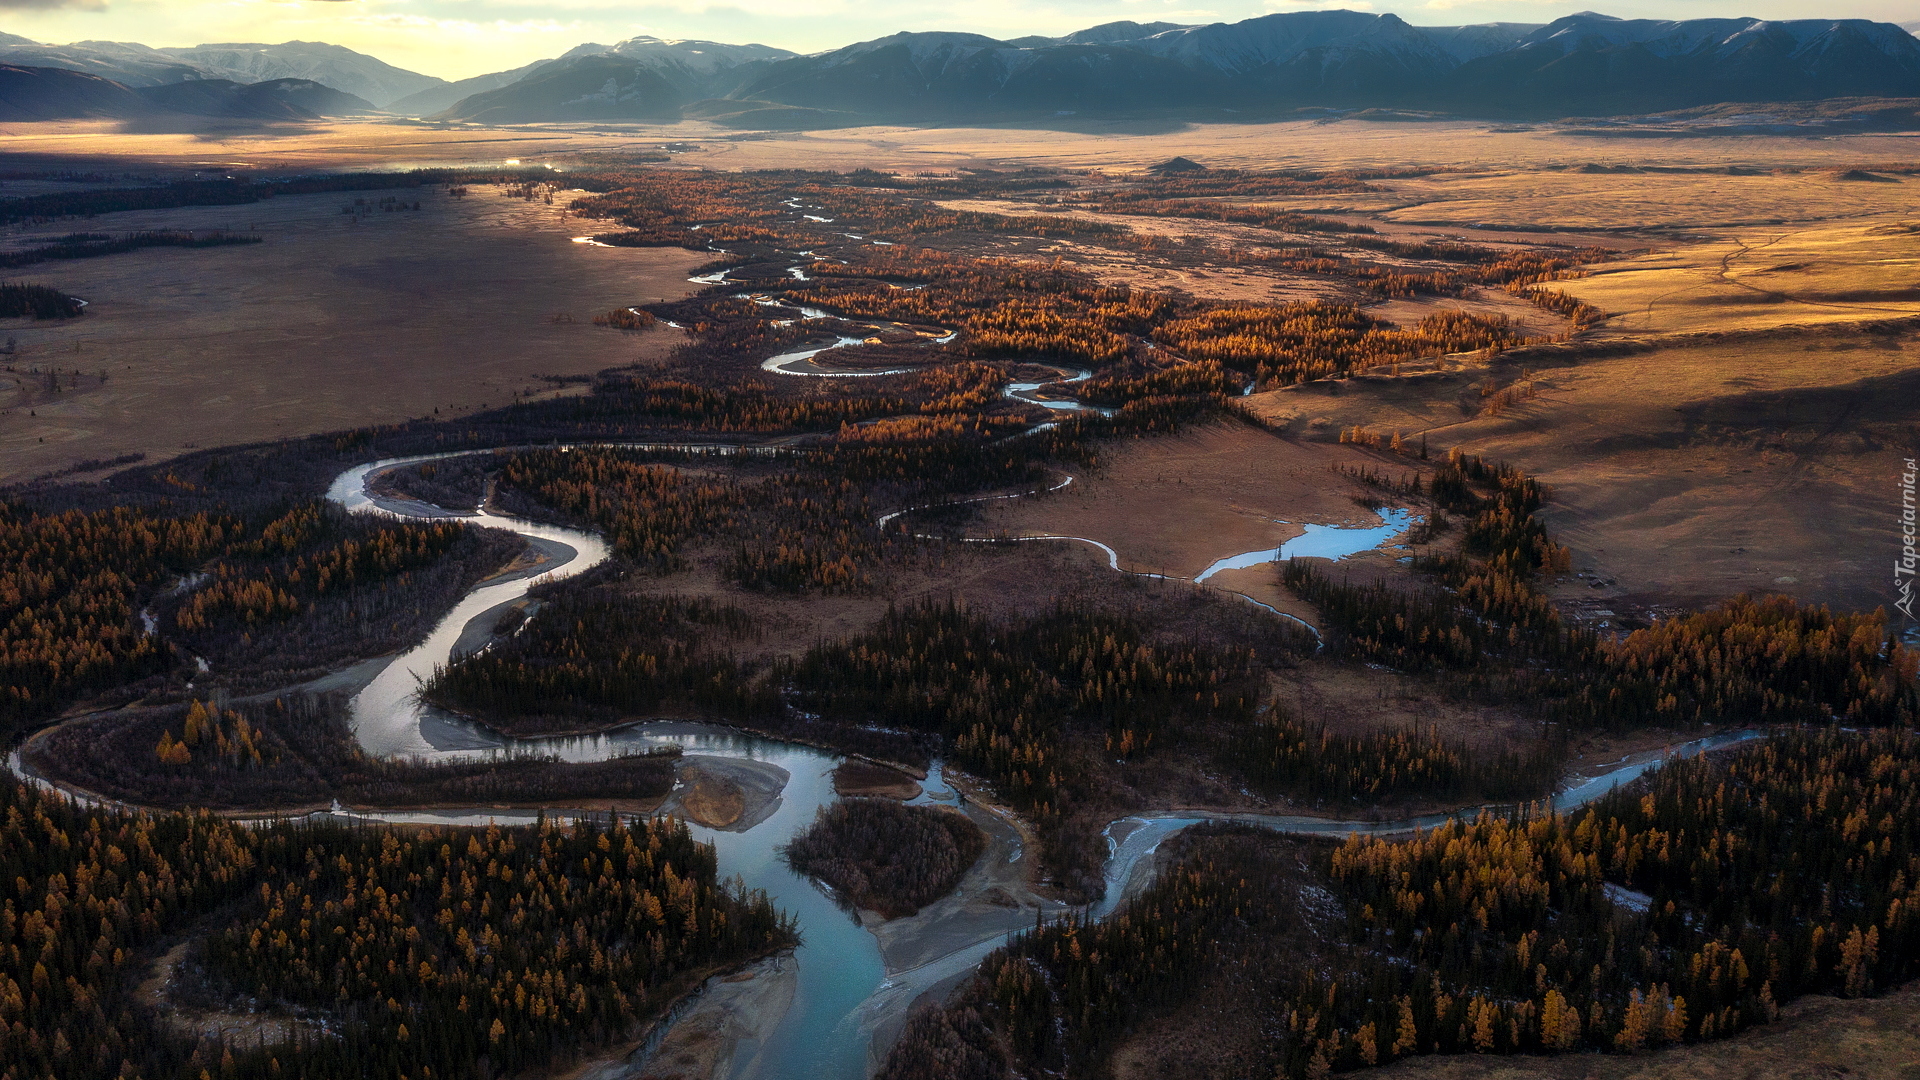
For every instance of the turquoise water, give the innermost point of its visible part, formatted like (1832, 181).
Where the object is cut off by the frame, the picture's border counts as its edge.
(1321, 542)
(843, 992)
(838, 962)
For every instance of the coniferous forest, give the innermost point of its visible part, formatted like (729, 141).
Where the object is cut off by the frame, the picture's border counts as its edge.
(893, 859)
(454, 953)
(1685, 908)
(802, 558)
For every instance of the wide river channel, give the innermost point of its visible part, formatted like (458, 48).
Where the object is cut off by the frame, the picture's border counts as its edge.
(844, 992)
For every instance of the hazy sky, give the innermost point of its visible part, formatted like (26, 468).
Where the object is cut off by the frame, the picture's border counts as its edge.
(457, 38)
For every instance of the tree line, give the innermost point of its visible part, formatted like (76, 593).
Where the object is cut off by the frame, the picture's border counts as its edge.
(1009, 309)
(228, 192)
(40, 301)
(1685, 909)
(94, 245)
(298, 751)
(317, 587)
(597, 654)
(1316, 339)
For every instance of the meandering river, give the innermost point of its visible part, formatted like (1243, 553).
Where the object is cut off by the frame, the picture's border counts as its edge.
(844, 992)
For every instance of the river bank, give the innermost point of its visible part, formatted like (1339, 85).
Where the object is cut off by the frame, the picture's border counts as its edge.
(855, 978)
(856, 991)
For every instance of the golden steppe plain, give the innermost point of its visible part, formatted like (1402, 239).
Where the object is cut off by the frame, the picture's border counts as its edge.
(1075, 143)
(1756, 278)
(1727, 427)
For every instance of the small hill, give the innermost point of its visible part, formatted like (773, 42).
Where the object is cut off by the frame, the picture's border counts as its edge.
(35, 93)
(639, 78)
(1173, 166)
(1861, 175)
(275, 99)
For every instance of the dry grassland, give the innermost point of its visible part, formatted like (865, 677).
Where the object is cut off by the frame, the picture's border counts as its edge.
(854, 778)
(1355, 698)
(1128, 146)
(1174, 505)
(1749, 443)
(326, 325)
(1614, 202)
(1684, 474)
(1201, 268)
(219, 146)
(1761, 278)
(1079, 143)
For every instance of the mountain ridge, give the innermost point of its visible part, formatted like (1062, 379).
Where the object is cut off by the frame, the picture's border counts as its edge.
(1584, 64)
(337, 66)
(135, 65)
(31, 94)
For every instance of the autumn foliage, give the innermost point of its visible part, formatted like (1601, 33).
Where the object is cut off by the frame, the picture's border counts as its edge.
(1631, 924)
(459, 951)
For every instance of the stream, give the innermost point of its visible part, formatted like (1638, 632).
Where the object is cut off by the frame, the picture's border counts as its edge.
(839, 965)
(803, 362)
(844, 992)
(1131, 841)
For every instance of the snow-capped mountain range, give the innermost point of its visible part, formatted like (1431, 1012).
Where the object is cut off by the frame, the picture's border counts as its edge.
(135, 65)
(1585, 64)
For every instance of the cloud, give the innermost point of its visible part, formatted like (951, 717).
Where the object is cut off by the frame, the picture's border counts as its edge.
(53, 5)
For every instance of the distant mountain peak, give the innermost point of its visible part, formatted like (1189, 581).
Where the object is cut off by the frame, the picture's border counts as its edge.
(1585, 64)
(336, 66)
(642, 77)
(1122, 30)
